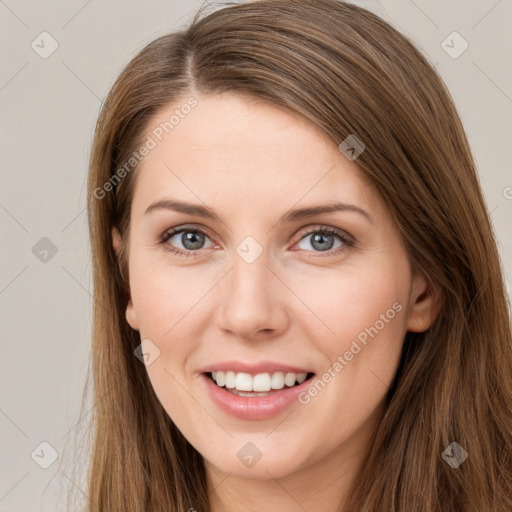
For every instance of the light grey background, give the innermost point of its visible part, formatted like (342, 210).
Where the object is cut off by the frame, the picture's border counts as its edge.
(48, 110)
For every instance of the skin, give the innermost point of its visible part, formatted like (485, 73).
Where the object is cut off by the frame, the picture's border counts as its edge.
(252, 162)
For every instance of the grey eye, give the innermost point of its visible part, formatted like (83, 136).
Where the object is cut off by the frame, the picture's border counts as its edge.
(322, 241)
(190, 239)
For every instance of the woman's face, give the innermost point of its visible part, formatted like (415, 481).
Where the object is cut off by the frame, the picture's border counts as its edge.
(263, 292)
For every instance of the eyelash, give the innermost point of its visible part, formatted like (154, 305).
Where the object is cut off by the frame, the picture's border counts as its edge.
(348, 242)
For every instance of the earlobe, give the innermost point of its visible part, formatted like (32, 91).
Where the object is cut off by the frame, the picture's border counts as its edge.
(424, 306)
(131, 316)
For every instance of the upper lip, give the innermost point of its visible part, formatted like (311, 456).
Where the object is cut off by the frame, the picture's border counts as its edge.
(253, 368)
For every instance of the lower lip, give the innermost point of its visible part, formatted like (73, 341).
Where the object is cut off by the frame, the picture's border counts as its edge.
(254, 408)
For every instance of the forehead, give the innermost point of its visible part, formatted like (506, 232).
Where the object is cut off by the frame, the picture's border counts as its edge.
(237, 148)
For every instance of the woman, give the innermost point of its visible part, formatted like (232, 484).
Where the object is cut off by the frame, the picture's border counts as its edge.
(298, 297)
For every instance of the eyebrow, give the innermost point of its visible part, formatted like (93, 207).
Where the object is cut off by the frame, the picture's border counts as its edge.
(291, 216)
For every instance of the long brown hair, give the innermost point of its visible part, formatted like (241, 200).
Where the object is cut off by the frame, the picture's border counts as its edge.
(346, 71)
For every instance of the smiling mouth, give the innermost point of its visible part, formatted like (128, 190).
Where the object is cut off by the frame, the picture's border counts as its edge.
(259, 385)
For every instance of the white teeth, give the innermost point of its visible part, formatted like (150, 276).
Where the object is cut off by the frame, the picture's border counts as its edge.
(220, 378)
(290, 379)
(260, 383)
(243, 382)
(229, 379)
(277, 380)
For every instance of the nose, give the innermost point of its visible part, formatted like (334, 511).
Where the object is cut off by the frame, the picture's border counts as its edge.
(254, 304)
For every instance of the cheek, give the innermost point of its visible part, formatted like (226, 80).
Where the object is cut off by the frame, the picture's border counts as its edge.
(167, 299)
(360, 335)
(348, 303)
(170, 311)
(168, 306)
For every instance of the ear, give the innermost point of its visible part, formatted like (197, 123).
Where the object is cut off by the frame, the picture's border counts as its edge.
(425, 303)
(116, 240)
(131, 314)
